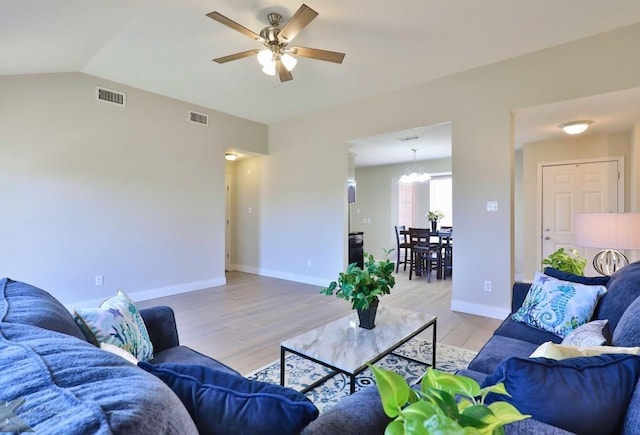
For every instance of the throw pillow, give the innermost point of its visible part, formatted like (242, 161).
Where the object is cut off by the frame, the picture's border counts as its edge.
(627, 331)
(595, 333)
(120, 352)
(224, 403)
(118, 322)
(558, 351)
(585, 395)
(566, 276)
(558, 306)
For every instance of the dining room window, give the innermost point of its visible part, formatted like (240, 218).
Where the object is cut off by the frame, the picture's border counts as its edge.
(406, 204)
(441, 197)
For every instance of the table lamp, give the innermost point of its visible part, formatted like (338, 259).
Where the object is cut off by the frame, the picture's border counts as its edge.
(611, 232)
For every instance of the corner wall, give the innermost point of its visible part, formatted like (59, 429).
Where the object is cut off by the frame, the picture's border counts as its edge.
(135, 194)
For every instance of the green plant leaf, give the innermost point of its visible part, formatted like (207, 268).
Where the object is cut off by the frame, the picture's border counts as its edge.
(454, 384)
(396, 427)
(441, 425)
(506, 413)
(498, 388)
(394, 391)
(475, 416)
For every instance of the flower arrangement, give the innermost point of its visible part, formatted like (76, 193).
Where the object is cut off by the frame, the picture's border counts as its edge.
(435, 216)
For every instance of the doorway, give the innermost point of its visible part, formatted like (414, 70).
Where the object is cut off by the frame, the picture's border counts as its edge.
(567, 188)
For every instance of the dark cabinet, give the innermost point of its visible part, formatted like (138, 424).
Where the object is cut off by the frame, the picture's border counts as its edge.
(356, 248)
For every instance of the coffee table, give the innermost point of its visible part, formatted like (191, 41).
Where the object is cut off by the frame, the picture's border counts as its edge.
(344, 347)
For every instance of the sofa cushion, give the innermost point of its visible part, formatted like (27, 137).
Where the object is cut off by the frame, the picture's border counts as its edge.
(223, 403)
(522, 331)
(116, 321)
(566, 276)
(594, 333)
(632, 417)
(29, 305)
(186, 355)
(558, 306)
(71, 386)
(597, 390)
(496, 350)
(559, 351)
(627, 332)
(623, 288)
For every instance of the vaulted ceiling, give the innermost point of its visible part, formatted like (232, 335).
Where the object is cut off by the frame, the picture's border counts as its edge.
(166, 46)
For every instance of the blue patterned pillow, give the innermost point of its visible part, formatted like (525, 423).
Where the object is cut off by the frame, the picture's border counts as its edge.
(558, 306)
(118, 322)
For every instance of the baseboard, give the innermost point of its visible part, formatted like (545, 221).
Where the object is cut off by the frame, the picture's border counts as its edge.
(155, 293)
(480, 310)
(305, 279)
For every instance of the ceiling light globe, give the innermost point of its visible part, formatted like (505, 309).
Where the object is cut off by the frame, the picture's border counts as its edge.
(265, 57)
(289, 61)
(230, 156)
(269, 69)
(575, 127)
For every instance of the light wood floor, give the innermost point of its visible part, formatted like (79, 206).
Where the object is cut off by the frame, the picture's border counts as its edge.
(243, 322)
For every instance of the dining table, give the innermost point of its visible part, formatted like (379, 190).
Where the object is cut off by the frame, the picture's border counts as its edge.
(445, 240)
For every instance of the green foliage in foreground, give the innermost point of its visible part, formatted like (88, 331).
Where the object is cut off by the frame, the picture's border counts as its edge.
(434, 410)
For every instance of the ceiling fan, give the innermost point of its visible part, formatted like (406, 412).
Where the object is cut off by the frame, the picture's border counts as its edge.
(277, 56)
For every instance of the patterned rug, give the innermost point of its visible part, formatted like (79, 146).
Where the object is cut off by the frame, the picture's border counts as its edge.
(301, 372)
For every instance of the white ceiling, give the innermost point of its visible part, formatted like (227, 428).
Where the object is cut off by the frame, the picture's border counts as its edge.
(166, 46)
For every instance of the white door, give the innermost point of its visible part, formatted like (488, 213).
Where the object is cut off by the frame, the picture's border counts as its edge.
(573, 188)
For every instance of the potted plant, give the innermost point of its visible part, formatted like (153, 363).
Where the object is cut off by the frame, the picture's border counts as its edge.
(566, 261)
(364, 287)
(434, 409)
(434, 217)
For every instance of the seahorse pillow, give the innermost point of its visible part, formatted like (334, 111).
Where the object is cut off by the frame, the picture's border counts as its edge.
(117, 322)
(558, 306)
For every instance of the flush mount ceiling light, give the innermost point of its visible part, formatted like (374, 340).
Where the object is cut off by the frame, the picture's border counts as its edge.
(575, 127)
(415, 175)
(230, 156)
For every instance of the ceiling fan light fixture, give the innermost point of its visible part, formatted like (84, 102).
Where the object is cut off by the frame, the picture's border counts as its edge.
(575, 127)
(265, 57)
(289, 61)
(269, 69)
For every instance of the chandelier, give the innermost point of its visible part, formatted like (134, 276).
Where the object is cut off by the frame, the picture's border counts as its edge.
(415, 175)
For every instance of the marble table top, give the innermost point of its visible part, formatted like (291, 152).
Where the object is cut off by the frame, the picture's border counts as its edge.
(346, 346)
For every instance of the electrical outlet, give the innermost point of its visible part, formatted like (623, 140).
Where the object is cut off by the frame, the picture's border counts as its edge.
(487, 286)
(99, 280)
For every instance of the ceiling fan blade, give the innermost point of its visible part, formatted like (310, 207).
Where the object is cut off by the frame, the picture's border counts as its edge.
(283, 73)
(303, 16)
(236, 56)
(217, 16)
(314, 53)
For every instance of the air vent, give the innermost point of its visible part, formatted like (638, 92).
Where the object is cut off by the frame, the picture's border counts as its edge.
(199, 118)
(109, 96)
(408, 138)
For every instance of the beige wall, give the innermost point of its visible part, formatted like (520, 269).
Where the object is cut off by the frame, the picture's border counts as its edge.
(563, 150)
(479, 103)
(135, 194)
(377, 201)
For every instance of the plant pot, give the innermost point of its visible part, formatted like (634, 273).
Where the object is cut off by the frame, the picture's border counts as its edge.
(434, 226)
(367, 317)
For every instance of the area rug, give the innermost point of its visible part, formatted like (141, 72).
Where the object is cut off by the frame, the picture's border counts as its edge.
(301, 372)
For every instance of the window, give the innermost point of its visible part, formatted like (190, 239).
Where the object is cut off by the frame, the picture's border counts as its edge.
(441, 198)
(406, 202)
(416, 199)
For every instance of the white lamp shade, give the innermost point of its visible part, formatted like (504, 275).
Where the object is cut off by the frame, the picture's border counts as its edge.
(289, 61)
(269, 69)
(607, 230)
(575, 127)
(265, 57)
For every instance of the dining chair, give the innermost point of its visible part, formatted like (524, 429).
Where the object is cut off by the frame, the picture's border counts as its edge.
(402, 247)
(425, 257)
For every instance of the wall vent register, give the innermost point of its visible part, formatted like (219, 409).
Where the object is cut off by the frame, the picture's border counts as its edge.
(109, 96)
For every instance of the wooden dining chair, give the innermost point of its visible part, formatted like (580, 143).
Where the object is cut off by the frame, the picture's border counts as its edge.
(403, 247)
(425, 257)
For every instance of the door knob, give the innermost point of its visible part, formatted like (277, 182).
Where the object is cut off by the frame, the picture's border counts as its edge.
(547, 237)
(547, 230)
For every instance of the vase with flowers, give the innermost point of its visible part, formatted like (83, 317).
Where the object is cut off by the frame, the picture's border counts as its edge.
(434, 217)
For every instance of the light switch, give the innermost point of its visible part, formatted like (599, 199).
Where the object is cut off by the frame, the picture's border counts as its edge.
(492, 205)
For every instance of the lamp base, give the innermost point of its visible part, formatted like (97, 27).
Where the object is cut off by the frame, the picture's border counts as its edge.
(608, 261)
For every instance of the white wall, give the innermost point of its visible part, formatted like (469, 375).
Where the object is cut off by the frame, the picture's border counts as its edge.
(310, 151)
(135, 194)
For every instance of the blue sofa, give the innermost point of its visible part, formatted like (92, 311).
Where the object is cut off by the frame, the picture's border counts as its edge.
(70, 386)
(620, 306)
